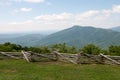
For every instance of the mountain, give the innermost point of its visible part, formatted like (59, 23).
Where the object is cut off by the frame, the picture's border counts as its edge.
(79, 36)
(75, 36)
(116, 28)
(22, 39)
(7, 37)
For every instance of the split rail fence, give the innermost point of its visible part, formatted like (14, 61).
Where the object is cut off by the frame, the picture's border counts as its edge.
(80, 58)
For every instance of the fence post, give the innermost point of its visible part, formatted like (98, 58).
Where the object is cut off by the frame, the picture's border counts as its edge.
(78, 58)
(27, 56)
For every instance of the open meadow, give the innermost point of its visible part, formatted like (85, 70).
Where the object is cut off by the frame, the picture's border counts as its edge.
(21, 70)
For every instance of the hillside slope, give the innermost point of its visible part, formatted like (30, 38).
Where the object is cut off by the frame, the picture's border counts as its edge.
(116, 28)
(24, 40)
(79, 36)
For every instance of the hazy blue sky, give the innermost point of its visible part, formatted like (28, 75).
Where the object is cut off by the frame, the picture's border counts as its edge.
(37, 15)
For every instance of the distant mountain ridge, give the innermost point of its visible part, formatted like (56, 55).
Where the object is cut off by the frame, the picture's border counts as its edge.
(116, 28)
(22, 39)
(75, 36)
(79, 36)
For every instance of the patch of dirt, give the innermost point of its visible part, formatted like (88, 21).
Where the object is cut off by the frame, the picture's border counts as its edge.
(8, 71)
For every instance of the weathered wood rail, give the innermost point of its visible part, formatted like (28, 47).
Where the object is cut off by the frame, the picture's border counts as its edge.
(80, 58)
(3, 53)
(110, 59)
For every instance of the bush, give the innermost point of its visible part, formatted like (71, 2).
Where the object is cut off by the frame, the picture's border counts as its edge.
(91, 49)
(114, 50)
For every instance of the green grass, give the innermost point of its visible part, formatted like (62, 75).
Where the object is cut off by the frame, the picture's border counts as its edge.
(21, 70)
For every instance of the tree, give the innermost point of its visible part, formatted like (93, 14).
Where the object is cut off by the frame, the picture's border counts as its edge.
(45, 49)
(7, 44)
(5, 48)
(114, 50)
(91, 49)
(9, 47)
(60, 47)
(72, 50)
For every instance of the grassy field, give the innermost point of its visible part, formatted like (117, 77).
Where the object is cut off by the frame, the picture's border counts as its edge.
(21, 70)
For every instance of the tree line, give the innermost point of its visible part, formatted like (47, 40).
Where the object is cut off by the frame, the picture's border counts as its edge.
(62, 48)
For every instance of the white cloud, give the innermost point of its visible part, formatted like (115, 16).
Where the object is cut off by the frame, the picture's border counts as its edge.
(22, 10)
(105, 18)
(86, 15)
(54, 17)
(100, 18)
(67, 16)
(116, 8)
(26, 9)
(21, 23)
(106, 12)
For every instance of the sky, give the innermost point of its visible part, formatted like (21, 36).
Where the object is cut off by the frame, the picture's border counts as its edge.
(52, 15)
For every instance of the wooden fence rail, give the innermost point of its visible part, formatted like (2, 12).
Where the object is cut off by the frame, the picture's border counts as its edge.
(80, 58)
(114, 61)
(3, 53)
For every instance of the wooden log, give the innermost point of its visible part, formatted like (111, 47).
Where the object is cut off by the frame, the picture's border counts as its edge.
(26, 56)
(93, 58)
(106, 57)
(3, 53)
(57, 53)
(13, 52)
(87, 55)
(16, 54)
(43, 56)
(114, 57)
(102, 59)
(78, 58)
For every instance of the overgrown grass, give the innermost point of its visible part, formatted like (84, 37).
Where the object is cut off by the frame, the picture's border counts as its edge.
(21, 70)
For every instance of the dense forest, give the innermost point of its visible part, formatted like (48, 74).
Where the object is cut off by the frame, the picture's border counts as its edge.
(63, 48)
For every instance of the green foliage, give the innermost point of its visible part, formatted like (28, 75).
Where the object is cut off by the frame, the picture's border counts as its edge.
(63, 48)
(38, 49)
(106, 52)
(114, 50)
(5, 48)
(34, 49)
(9, 47)
(91, 49)
(73, 50)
